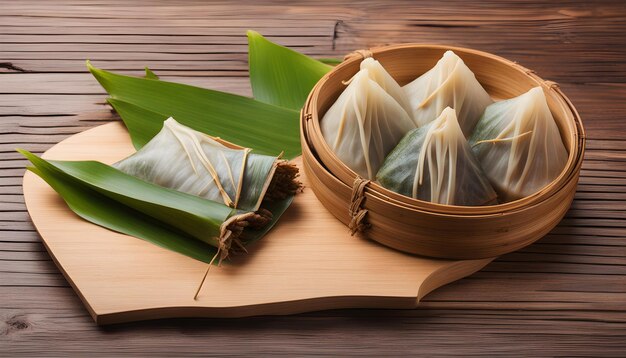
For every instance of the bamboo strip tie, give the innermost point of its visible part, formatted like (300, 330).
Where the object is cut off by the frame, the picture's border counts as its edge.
(357, 213)
(363, 53)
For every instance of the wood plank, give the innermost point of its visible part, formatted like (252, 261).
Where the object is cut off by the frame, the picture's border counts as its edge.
(561, 296)
(283, 277)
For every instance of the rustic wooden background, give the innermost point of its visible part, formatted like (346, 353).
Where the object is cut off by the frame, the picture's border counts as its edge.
(565, 295)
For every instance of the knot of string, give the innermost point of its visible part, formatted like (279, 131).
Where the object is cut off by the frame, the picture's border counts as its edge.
(363, 53)
(357, 213)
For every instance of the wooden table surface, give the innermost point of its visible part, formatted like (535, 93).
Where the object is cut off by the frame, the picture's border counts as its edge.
(564, 295)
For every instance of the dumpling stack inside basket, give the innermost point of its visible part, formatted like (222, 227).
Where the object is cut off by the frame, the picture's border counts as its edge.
(442, 152)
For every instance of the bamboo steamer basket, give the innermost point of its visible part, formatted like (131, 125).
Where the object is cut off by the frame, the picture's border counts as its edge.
(424, 228)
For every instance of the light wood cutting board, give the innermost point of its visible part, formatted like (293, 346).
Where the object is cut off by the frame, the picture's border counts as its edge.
(308, 262)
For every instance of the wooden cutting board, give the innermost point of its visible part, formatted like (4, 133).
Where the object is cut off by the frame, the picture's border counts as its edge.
(308, 262)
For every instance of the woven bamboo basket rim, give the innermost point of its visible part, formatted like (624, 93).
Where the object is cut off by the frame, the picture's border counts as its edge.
(575, 130)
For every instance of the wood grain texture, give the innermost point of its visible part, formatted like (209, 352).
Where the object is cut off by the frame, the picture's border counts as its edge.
(564, 295)
(308, 262)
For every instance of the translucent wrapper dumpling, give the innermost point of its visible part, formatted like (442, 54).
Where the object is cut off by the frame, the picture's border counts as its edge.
(435, 163)
(364, 125)
(186, 160)
(519, 145)
(377, 72)
(449, 84)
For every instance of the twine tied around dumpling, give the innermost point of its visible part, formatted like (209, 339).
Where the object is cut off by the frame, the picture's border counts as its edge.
(357, 213)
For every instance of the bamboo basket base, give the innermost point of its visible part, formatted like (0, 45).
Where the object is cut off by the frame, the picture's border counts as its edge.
(307, 262)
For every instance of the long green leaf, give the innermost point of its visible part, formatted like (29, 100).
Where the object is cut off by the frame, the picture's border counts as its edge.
(107, 197)
(281, 76)
(150, 75)
(103, 211)
(330, 61)
(197, 217)
(266, 128)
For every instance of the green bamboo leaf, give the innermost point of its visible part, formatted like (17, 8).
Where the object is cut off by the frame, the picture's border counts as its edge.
(266, 128)
(107, 197)
(281, 76)
(150, 75)
(195, 216)
(142, 124)
(330, 61)
(100, 210)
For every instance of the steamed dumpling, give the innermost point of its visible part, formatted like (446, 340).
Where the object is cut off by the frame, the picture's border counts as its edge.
(186, 160)
(435, 163)
(378, 73)
(519, 145)
(364, 125)
(449, 84)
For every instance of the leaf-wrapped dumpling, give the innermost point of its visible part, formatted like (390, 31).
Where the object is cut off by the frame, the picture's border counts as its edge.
(364, 125)
(435, 163)
(449, 84)
(186, 160)
(519, 145)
